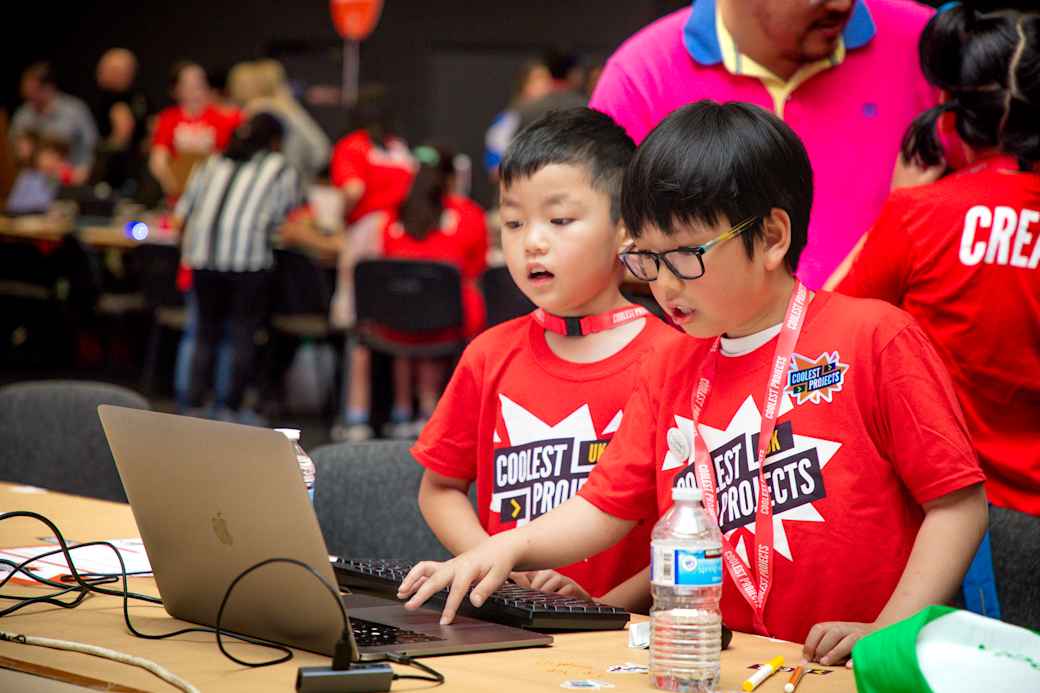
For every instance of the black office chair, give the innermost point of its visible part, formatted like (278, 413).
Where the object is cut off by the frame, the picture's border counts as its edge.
(1015, 543)
(503, 298)
(366, 501)
(301, 293)
(35, 315)
(408, 296)
(51, 436)
(156, 267)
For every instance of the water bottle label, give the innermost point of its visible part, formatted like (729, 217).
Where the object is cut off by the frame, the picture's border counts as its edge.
(672, 566)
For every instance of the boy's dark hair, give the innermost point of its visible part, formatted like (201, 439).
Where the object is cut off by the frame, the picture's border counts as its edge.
(576, 136)
(708, 161)
(421, 211)
(986, 56)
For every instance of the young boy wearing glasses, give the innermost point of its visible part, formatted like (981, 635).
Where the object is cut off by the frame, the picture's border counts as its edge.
(875, 505)
(534, 401)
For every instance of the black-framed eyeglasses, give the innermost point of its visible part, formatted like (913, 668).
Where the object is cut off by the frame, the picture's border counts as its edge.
(685, 262)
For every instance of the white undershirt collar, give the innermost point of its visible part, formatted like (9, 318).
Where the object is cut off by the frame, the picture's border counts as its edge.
(741, 346)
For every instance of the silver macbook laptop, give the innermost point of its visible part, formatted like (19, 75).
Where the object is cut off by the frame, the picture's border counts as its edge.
(212, 499)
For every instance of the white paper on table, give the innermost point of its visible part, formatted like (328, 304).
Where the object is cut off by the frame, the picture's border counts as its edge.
(87, 559)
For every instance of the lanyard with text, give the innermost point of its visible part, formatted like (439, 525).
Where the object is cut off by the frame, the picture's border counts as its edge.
(578, 327)
(763, 553)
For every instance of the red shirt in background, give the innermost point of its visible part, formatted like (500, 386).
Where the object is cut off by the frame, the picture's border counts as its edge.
(962, 255)
(204, 133)
(461, 240)
(875, 434)
(528, 427)
(386, 171)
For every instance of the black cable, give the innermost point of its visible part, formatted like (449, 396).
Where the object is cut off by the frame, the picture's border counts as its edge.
(435, 675)
(87, 586)
(288, 655)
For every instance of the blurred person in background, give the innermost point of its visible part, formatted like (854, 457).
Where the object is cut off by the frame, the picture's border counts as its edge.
(262, 87)
(373, 169)
(233, 204)
(190, 130)
(564, 89)
(433, 224)
(531, 83)
(50, 113)
(120, 110)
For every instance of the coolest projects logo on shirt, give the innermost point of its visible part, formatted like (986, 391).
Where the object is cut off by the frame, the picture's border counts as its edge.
(544, 464)
(815, 380)
(793, 470)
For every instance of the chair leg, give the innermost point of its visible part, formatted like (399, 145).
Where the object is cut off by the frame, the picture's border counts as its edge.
(349, 342)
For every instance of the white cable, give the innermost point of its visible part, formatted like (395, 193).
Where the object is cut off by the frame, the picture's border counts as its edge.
(164, 674)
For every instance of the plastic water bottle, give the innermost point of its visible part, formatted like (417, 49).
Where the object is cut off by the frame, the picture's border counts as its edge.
(307, 468)
(686, 583)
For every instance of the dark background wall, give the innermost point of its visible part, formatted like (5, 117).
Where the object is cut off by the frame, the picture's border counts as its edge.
(448, 64)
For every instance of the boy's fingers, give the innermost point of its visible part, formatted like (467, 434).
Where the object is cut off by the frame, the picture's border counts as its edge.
(412, 579)
(840, 651)
(433, 584)
(812, 640)
(540, 579)
(829, 641)
(522, 579)
(491, 582)
(459, 586)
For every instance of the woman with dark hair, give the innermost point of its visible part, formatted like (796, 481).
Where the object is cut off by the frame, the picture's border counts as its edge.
(963, 254)
(232, 206)
(431, 224)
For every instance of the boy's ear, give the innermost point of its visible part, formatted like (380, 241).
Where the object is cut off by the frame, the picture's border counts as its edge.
(776, 237)
(621, 237)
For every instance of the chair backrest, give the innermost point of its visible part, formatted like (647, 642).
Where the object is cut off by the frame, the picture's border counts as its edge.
(301, 287)
(408, 295)
(366, 501)
(1015, 541)
(51, 436)
(503, 298)
(156, 268)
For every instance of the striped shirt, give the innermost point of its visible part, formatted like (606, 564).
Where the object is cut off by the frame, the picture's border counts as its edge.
(231, 208)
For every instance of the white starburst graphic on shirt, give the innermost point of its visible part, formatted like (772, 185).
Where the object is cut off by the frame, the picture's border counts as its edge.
(746, 422)
(524, 427)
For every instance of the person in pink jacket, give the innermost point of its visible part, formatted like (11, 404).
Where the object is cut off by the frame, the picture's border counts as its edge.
(842, 73)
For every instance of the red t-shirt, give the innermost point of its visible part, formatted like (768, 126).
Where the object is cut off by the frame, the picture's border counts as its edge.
(963, 257)
(877, 434)
(528, 426)
(386, 171)
(461, 240)
(205, 133)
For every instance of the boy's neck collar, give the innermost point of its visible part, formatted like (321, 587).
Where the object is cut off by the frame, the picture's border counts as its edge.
(583, 325)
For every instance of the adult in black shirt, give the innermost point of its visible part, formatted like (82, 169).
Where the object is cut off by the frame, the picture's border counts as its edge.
(120, 110)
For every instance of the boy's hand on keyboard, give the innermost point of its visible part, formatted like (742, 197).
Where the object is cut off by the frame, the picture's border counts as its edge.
(485, 568)
(550, 581)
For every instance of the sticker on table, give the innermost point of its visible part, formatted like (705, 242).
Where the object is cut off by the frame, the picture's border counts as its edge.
(628, 668)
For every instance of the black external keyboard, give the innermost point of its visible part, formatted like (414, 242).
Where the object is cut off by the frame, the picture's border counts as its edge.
(368, 633)
(509, 605)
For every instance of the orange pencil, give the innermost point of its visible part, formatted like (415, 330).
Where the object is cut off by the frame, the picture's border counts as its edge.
(796, 677)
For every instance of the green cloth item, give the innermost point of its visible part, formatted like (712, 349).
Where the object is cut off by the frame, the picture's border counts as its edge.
(946, 650)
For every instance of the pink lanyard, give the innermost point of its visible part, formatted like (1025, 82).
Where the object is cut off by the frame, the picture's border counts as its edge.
(577, 327)
(763, 554)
